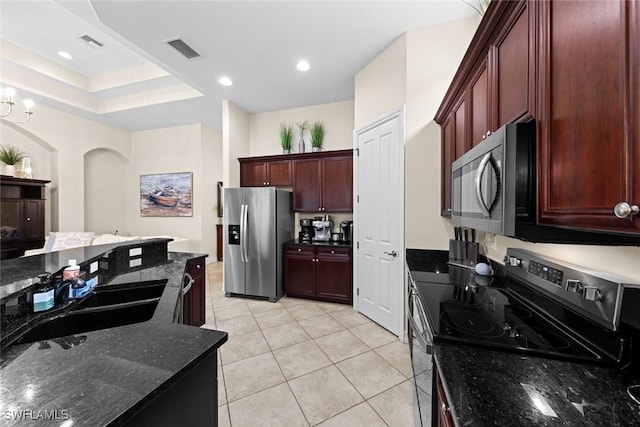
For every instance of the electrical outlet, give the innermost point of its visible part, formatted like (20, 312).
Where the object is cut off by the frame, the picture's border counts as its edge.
(490, 240)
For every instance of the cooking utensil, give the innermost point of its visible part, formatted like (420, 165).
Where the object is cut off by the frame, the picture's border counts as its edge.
(336, 237)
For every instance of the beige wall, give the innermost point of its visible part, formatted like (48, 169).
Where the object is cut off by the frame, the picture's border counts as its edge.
(65, 139)
(380, 87)
(177, 149)
(95, 173)
(337, 117)
(235, 142)
(433, 56)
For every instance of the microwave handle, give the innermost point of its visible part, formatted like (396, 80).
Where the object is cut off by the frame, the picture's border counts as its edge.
(483, 165)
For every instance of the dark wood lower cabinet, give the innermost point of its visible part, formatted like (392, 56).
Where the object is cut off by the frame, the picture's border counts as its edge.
(323, 273)
(193, 302)
(442, 411)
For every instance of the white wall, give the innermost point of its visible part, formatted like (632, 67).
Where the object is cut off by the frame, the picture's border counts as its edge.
(337, 117)
(211, 174)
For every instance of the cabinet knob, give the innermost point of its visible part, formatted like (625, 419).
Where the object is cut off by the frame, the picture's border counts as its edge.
(28, 219)
(299, 250)
(333, 252)
(264, 183)
(624, 210)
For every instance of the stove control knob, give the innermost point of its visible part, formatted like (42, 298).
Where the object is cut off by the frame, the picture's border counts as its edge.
(514, 262)
(574, 286)
(591, 293)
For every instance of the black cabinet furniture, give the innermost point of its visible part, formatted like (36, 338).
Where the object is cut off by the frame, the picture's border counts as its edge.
(21, 215)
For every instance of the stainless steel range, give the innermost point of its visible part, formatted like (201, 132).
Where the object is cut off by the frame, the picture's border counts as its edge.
(540, 307)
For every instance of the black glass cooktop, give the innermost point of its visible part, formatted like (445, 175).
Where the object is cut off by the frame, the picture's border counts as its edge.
(504, 315)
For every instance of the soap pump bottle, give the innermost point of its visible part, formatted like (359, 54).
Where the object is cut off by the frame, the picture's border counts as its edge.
(43, 295)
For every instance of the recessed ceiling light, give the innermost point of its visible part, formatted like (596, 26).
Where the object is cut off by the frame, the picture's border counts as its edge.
(225, 81)
(303, 65)
(65, 55)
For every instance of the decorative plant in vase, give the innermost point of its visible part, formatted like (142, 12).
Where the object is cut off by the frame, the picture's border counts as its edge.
(10, 155)
(286, 137)
(302, 126)
(317, 136)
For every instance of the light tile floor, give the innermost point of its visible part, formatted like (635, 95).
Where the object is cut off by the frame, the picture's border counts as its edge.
(298, 362)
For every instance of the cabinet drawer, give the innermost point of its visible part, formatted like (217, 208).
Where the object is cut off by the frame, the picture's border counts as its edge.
(196, 266)
(324, 252)
(304, 251)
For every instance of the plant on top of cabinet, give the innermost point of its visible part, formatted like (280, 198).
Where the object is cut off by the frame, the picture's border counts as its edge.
(302, 126)
(10, 155)
(286, 137)
(317, 136)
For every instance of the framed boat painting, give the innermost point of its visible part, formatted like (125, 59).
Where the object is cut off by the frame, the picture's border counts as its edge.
(166, 194)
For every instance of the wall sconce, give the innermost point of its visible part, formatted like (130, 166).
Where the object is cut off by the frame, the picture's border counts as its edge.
(6, 98)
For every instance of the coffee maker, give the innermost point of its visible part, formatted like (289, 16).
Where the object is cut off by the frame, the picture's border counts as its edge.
(346, 229)
(322, 227)
(306, 231)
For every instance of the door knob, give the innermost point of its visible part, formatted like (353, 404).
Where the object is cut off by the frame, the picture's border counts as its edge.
(624, 210)
(392, 253)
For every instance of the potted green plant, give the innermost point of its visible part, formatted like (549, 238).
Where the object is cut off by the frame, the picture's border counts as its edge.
(10, 155)
(286, 137)
(302, 126)
(317, 136)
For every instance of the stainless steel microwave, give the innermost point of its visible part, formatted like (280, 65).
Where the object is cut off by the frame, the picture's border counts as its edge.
(493, 184)
(494, 188)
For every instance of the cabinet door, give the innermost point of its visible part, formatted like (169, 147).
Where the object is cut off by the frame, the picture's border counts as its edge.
(194, 301)
(299, 271)
(11, 219)
(337, 184)
(306, 188)
(460, 126)
(33, 216)
(479, 111)
(445, 419)
(279, 173)
(334, 275)
(588, 135)
(448, 155)
(514, 73)
(253, 174)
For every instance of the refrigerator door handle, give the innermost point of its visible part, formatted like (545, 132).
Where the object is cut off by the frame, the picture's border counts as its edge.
(244, 233)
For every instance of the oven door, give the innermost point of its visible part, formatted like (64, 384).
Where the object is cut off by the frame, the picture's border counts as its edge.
(421, 346)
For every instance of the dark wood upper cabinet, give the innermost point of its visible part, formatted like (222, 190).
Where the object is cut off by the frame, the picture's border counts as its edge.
(324, 182)
(307, 191)
(577, 76)
(479, 112)
(589, 147)
(493, 85)
(513, 62)
(337, 179)
(265, 172)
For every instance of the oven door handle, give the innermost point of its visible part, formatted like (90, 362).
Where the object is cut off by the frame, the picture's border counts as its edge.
(413, 293)
(428, 348)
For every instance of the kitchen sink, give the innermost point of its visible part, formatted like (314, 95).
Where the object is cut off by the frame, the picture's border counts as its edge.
(124, 293)
(104, 308)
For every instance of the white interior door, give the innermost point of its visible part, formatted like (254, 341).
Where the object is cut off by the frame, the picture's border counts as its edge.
(379, 221)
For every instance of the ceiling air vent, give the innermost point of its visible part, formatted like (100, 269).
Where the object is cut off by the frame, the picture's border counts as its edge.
(91, 41)
(183, 48)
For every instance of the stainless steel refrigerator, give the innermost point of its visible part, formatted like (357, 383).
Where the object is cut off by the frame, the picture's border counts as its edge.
(257, 221)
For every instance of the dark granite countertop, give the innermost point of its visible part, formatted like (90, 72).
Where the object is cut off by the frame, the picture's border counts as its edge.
(109, 374)
(329, 244)
(488, 387)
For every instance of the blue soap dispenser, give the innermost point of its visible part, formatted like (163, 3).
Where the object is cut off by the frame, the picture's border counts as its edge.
(43, 295)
